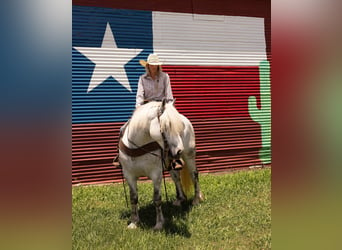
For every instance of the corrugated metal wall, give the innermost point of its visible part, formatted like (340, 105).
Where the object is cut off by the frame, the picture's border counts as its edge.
(93, 149)
(215, 97)
(226, 136)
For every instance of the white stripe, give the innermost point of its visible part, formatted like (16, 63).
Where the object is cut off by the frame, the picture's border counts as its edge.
(194, 39)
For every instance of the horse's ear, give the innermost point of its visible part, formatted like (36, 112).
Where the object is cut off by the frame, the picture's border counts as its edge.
(162, 107)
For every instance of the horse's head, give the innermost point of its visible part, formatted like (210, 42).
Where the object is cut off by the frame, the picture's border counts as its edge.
(172, 128)
(167, 129)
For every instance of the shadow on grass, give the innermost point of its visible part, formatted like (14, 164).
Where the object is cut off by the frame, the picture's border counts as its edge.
(175, 217)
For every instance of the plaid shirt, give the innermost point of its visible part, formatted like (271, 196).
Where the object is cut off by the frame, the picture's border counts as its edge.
(152, 90)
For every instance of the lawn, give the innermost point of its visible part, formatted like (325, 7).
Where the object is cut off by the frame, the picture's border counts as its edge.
(236, 214)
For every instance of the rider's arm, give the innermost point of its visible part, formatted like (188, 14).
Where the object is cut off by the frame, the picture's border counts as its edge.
(140, 94)
(168, 90)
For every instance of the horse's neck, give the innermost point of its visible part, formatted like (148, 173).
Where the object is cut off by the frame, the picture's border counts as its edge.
(135, 138)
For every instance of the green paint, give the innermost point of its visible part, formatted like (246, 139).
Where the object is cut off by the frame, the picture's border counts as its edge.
(263, 115)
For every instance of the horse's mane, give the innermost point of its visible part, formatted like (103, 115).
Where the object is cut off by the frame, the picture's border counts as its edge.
(170, 120)
(143, 114)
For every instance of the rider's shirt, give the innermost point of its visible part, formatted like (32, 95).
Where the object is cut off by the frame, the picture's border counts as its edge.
(151, 90)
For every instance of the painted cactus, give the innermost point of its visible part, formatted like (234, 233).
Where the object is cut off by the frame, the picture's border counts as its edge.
(263, 115)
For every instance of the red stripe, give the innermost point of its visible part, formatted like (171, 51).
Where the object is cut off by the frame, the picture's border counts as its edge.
(214, 92)
(252, 8)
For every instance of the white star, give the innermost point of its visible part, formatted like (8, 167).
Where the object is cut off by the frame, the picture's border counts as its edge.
(109, 61)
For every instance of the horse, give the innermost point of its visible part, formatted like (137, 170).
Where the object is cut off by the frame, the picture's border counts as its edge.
(157, 132)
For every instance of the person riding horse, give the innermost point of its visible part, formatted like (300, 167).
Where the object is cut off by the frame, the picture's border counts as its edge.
(156, 135)
(154, 85)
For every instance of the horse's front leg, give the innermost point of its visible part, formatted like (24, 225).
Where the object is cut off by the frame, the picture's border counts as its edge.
(133, 191)
(175, 175)
(158, 202)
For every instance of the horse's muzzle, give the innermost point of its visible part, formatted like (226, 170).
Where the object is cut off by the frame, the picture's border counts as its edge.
(175, 156)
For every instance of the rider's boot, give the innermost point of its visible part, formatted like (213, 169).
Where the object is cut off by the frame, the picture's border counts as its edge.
(116, 162)
(177, 164)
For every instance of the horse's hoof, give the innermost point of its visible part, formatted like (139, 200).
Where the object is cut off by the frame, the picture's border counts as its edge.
(132, 226)
(201, 197)
(195, 202)
(158, 227)
(177, 203)
(198, 199)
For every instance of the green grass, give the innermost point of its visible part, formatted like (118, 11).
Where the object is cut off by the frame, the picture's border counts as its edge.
(236, 214)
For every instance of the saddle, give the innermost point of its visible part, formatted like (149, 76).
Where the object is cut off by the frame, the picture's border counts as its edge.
(176, 164)
(135, 152)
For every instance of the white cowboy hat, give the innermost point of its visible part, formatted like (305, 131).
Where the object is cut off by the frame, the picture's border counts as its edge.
(152, 59)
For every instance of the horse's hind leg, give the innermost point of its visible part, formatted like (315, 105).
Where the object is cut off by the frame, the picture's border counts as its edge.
(134, 204)
(158, 202)
(175, 175)
(198, 194)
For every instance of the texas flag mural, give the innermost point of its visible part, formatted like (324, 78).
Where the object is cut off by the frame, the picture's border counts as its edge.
(219, 75)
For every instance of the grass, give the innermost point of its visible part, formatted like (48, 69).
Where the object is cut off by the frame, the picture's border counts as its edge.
(236, 214)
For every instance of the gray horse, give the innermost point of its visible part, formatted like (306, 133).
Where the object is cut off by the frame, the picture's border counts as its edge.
(159, 128)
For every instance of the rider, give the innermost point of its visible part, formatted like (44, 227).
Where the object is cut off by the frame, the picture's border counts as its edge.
(154, 85)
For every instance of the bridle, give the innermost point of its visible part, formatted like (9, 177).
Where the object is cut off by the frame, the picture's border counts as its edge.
(166, 151)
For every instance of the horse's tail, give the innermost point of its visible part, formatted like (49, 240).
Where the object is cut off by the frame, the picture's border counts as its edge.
(186, 180)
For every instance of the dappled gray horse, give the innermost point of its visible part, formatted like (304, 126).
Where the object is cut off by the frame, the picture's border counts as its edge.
(157, 132)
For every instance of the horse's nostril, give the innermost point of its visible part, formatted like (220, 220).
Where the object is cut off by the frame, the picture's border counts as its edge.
(179, 152)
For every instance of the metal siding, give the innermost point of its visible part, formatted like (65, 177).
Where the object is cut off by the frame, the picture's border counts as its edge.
(193, 39)
(110, 97)
(215, 99)
(255, 8)
(93, 148)
(216, 105)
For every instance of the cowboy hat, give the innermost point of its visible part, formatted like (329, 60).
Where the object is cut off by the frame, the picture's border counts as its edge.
(152, 59)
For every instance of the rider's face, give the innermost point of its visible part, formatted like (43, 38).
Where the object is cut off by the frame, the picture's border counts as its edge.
(153, 69)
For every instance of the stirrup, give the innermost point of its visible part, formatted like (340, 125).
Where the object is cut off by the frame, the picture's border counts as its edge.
(116, 162)
(177, 164)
